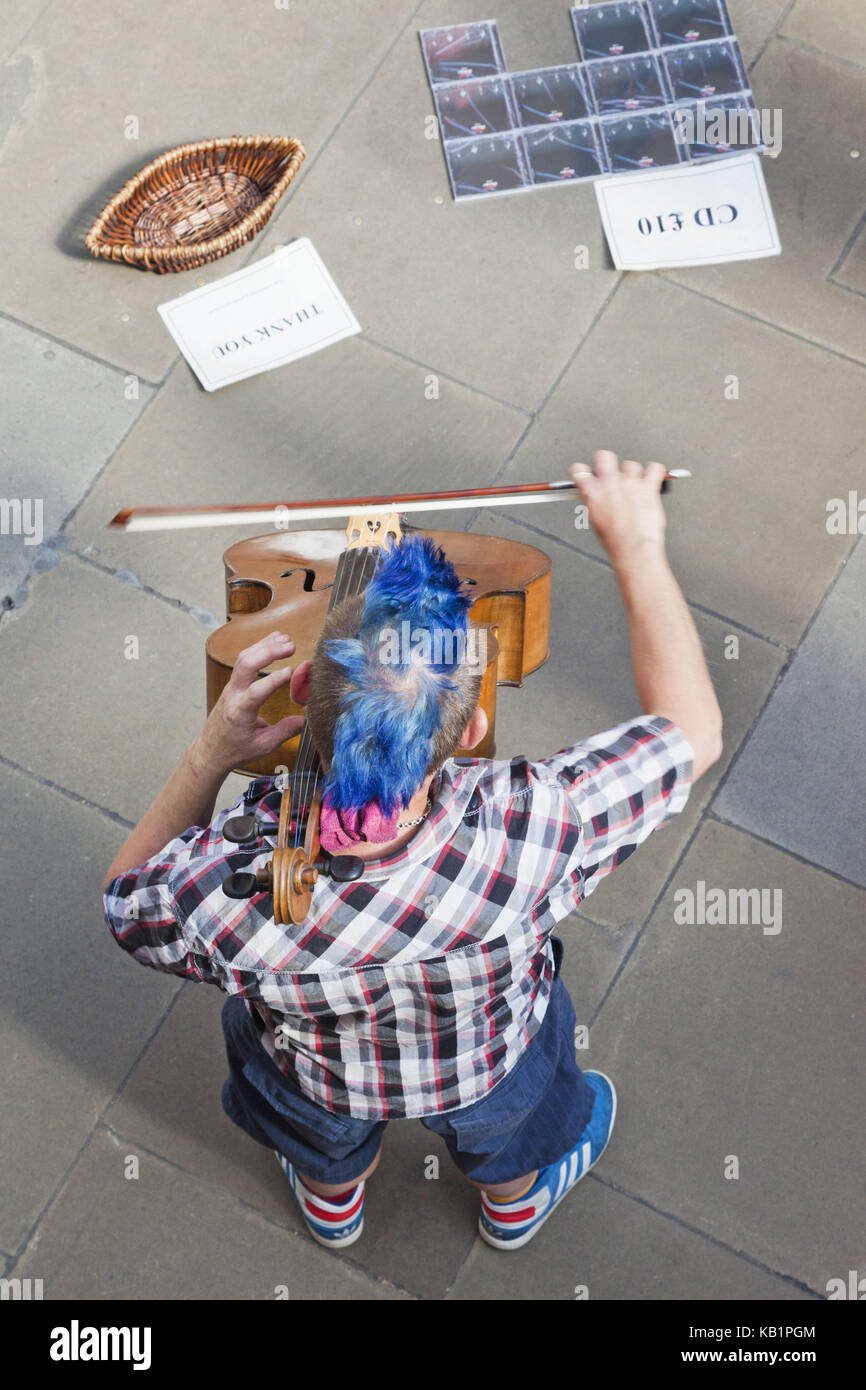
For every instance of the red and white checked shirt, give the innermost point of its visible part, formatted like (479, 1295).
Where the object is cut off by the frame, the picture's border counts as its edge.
(415, 989)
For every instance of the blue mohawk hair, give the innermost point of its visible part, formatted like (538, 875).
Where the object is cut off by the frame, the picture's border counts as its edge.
(384, 733)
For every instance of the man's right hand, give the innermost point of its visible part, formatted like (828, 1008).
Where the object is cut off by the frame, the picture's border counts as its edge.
(624, 503)
(670, 669)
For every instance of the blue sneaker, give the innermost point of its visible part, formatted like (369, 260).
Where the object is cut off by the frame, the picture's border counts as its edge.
(334, 1224)
(508, 1225)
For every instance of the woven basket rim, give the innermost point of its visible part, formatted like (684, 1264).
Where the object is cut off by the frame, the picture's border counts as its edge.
(194, 250)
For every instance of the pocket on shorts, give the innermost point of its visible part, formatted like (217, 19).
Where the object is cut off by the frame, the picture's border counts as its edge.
(482, 1127)
(303, 1114)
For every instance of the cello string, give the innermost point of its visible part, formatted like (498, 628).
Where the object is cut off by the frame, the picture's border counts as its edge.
(353, 574)
(306, 771)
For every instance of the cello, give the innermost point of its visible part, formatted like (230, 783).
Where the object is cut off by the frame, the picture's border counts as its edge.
(291, 580)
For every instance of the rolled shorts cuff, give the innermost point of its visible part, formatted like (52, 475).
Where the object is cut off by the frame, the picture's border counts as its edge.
(269, 1107)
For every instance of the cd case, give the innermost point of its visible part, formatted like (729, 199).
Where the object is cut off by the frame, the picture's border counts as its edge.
(626, 84)
(725, 125)
(478, 107)
(491, 164)
(704, 70)
(550, 94)
(459, 51)
(564, 153)
(612, 29)
(688, 21)
(657, 83)
(645, 140)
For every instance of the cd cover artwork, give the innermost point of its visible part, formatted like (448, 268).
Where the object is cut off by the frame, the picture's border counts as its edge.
(550, 95)
(492, 164)
(643, 64)
(705, 70)
(688, 21)
(478, 107)
(626, 84)
(643, 141)
(563, 153)
(723, 125)
(458, 51)
(611, 29)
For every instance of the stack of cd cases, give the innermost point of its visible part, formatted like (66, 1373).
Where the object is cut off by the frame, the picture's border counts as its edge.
(644, 68)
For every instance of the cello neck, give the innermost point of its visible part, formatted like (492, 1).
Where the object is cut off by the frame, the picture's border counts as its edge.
(366, 538)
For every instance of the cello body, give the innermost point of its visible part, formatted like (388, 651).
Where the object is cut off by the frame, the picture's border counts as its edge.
(283, 580)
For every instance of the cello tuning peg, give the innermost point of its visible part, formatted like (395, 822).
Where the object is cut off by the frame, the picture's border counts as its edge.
(240, 829)
(241, 885)
(342, 868)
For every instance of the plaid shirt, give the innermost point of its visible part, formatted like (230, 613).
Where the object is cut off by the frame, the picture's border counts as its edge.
(416, 988)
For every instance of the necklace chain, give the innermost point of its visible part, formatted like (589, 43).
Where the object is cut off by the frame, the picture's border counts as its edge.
(405, 824)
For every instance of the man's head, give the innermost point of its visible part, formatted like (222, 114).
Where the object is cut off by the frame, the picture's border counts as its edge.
(394, 684)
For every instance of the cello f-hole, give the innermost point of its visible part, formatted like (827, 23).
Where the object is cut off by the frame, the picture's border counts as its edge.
(310, 586)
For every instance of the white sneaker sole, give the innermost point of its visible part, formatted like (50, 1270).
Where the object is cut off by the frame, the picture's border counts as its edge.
(498, 1244)
(338, 1242)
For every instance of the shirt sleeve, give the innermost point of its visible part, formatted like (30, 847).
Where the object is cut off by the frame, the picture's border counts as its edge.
(620, 785)
(139, 905)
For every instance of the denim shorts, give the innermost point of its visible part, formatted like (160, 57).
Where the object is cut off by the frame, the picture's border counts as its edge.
(532, 1117)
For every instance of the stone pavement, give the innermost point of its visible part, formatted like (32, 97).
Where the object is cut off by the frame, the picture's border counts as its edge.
(734, 1047)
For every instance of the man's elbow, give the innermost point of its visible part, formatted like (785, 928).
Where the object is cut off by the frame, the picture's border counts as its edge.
(708, 748)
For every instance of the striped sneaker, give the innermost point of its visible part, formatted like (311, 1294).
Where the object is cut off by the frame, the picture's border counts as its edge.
(334, 1224)
(508, 1225)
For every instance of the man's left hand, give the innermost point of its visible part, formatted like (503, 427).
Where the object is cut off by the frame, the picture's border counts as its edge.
(235, 732)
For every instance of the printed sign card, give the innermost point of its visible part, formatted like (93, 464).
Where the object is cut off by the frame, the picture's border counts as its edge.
(693, 215)
(270, 313)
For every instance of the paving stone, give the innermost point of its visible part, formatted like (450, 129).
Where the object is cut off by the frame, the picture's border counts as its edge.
(350, 421)
(747, 534)
(601, 1244)
(587, 686)
(743, 1041)
(852, 270)
(486, 293)
(175, 1111)
(593, 953)
(801, 778)
(754, 21)
(91, 64)
(16, 19)
(64, 418)
(818, 194)
(76, 710)
(167, 1235)
(836, 28)
(74, 1015)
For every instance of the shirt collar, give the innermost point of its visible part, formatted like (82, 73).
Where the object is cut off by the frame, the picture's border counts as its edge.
(451, 792)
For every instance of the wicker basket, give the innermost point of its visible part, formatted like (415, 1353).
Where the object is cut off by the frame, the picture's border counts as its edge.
(196, 203)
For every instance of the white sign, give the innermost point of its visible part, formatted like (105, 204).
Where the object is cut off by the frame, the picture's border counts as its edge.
(263, 316)
(688, 215)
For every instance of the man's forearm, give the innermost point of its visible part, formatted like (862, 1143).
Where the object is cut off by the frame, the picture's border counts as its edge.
(670, 669)
(187, 799)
